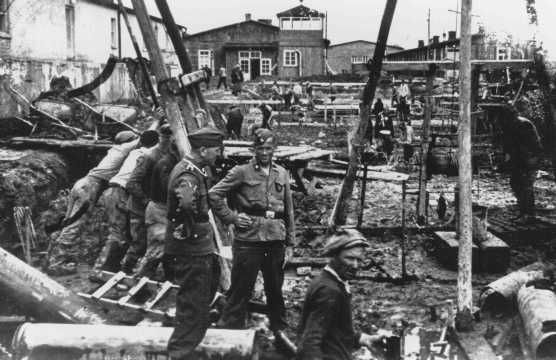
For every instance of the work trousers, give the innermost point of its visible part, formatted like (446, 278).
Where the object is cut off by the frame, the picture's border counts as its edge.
(248, 259)
(84, 193)
(117, 241)
(198, 278)
(522, 182)
(156, 222)
(138, 244)
(222, 80)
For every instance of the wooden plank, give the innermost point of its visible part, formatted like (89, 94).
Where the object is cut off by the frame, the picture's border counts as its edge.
(371, 175)
(243, 102)
(134, 290)
(108, 285)
(166, 286)
(193, 78)
(475, 346)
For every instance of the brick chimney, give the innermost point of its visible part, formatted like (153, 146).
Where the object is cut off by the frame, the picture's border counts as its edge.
(421, 43)
(248, 17)
(451, 35)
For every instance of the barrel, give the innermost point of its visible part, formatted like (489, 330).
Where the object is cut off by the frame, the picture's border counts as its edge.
(537, 308)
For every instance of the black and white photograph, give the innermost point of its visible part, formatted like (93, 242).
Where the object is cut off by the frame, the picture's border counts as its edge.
(277, 180)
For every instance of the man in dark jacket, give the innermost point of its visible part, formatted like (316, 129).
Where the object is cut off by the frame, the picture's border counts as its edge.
(235, 122)
(261, 210)
(190, 242)
(237, 79)
(523, 149)
(326, 330)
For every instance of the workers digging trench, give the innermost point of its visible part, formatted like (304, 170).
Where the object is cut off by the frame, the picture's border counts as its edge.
(406, 211)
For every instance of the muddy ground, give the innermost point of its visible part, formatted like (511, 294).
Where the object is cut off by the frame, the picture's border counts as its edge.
(376, 304)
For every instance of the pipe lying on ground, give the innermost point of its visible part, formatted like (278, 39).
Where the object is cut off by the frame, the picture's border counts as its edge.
(40, 296)
(500, 296)
(537, 308)
(41, 341)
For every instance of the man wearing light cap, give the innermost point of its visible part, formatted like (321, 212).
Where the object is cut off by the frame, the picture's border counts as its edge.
(82, 198)
(261, 210)
(139, 188)
(190, 243)
(326, 329)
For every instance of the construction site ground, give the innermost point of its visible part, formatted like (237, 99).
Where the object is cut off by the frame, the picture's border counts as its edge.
(377, 302)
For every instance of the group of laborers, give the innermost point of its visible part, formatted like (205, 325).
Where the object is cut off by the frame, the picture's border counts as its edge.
(159, 204)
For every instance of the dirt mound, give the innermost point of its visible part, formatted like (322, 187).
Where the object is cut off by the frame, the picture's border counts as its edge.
(28, 178)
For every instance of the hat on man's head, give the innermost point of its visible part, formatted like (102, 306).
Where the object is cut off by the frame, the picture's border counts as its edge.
(343, 240)
(207, 137)
(124, 136)
(263, 136)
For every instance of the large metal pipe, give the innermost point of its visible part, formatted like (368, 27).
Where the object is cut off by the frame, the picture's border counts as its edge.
(537, 308)
(500, 296)
(56, 341)
(40, 296)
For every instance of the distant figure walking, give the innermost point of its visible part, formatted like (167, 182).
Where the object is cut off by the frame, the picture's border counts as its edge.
(222, 78)
(237, 80)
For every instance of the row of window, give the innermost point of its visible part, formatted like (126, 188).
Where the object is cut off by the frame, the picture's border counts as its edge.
(291, 58)
(301, 23)
(359, 59)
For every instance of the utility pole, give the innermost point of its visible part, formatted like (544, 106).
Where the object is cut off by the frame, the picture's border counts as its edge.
(428, 32)
(170, 104)
(464, 318)
(338, 216)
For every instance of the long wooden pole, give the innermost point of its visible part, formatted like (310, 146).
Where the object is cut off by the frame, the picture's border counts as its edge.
(181, 52)
(170, 104)
(42, 297)
(137, 49)
(425, 144)
(338, 216)
(464, 318)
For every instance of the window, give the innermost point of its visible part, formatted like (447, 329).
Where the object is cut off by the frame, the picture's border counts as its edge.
(266, 67)
(70, 28)
(205, 58)
(301, 23)
(244, 65)
(4, 24)
(359, 59)
(255, 54)
(290, 58)
(113, 33)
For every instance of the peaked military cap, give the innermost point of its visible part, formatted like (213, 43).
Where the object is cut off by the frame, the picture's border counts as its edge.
(207, 137)
(263, 136)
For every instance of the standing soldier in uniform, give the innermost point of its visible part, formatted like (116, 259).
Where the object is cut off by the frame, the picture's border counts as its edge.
(263, 218)
(190, 242)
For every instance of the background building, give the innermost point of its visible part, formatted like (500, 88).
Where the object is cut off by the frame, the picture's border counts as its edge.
(352, 56)
(40, 39)
(294, 48)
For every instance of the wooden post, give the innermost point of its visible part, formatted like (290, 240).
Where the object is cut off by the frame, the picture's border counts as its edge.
(404, 230)
(464, 318)
(362, 195)
(42, 297)
(146, 75)
(425, 143)
(339, 215)
(170, 104)
(177, 40)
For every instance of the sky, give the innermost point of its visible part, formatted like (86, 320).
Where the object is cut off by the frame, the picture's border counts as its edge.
(360, 19)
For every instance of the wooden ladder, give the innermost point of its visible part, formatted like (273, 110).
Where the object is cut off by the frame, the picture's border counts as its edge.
(115, 279)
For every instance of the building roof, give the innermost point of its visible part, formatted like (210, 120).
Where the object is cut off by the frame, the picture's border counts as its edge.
(439, 44)
(260, 23)
(366, 42)
(300, 11)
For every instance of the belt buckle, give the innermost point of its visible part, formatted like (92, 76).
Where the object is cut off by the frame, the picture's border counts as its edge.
(270, 214)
